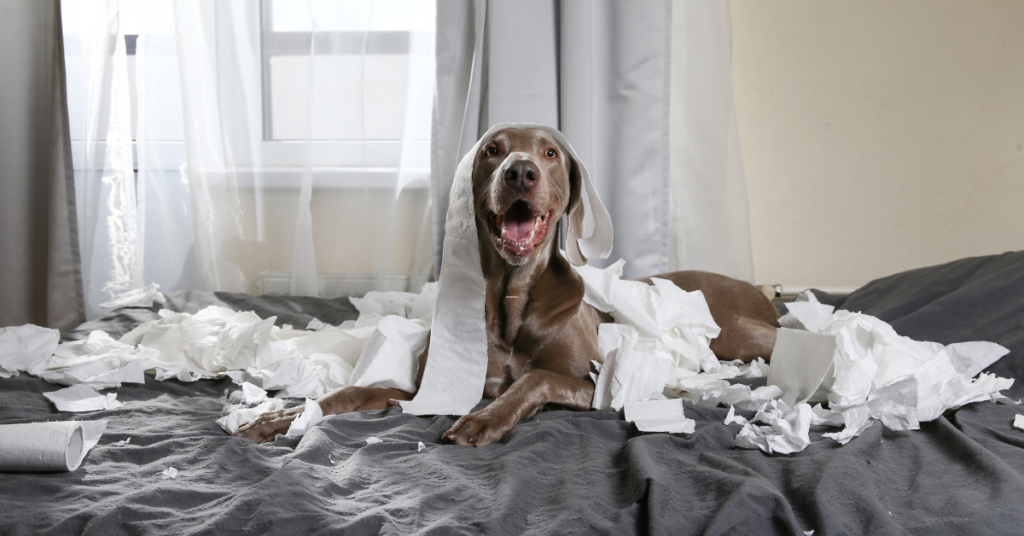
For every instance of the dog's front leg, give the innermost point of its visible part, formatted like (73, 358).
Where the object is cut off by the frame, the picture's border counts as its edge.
(342, 400)
(523, 397)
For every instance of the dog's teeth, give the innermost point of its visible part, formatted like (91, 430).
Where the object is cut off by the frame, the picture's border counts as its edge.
(538, 220)
(503, 232)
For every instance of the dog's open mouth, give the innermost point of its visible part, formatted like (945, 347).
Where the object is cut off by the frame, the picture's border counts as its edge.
(519, 229)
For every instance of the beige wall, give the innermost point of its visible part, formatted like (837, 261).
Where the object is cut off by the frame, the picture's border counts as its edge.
(879, 135)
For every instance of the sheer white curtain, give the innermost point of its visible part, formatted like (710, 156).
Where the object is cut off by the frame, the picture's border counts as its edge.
(281, 146)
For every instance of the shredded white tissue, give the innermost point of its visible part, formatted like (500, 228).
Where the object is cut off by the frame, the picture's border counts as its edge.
(420, 447)
(391, 358)
(856, 420)
(659, 347)
(373, 440)
(121, 443)
(79, 398)
(786, 429)
(634, 367)
(1018, 421)
(732, 418)
(26, 348)
(252, 394)
(240, 414)
(138, 297)
(806, 313)
(811, 532)
(311, 415)
(169, 473)
(659, 416)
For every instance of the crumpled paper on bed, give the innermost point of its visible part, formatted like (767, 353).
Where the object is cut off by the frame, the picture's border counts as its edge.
(26, 348)
(663, 312)
(875, 373)
(785, 430)
(218, 342)
(634, 367)
(79, 398)
(855, 362)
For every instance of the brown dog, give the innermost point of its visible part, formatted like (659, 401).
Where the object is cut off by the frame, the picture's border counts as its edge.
(541, 336)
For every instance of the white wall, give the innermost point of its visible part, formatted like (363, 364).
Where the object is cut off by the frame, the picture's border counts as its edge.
(879, 135)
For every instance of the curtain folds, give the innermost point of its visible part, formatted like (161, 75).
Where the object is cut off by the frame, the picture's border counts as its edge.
(710, 227)
(607, 74)
(41, 281)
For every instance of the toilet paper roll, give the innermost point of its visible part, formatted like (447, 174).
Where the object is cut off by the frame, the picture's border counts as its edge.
(47, 446)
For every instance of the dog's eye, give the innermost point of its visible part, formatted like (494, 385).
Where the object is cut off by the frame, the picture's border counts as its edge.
(551, 153)
(492, 150)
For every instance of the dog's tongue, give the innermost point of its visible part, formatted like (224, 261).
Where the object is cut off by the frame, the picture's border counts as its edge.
(518, 222)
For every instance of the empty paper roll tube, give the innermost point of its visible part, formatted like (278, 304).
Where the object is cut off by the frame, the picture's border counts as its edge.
(47, 446)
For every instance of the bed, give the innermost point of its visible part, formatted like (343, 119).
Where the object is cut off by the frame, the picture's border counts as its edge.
(559, 472)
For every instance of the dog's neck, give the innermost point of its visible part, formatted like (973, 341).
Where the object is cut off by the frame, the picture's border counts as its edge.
(508, 286)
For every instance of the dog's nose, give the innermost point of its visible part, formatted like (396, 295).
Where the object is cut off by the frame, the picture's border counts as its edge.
(522, 175)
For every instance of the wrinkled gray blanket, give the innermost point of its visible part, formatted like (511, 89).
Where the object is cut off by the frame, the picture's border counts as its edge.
(559, 472)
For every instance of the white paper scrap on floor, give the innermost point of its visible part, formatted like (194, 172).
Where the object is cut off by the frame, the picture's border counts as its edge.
(658, 349)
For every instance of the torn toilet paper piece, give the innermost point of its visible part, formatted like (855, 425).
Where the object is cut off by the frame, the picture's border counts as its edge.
(239, 415)
(970, 358)
(856, 420)
(121, 443)
(311, 415)
(420, 447)
(786, 429)
(732, 418)
(806, 312)
(78, 398)
(800, 361)
(634, 367)
(1018, 421)
(391, 358)
(676, 319)
(252, 394)
(664, 415)
(169, 473)
(138, 297)
(373, 440)
(26, 348)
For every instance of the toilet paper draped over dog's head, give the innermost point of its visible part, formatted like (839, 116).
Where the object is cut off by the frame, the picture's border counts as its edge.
(456, 369)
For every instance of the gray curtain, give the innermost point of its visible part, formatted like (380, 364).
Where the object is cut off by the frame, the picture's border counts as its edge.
(40, 274)
(596, 70)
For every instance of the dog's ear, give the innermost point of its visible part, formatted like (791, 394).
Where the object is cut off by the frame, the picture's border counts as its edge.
(574, 213)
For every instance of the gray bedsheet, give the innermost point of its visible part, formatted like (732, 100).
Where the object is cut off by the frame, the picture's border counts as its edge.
(559, 472)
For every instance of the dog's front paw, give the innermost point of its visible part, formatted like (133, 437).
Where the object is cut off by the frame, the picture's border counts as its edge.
(266, 427)
(478, 429)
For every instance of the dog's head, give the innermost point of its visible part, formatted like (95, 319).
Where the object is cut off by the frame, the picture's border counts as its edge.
(523, 182)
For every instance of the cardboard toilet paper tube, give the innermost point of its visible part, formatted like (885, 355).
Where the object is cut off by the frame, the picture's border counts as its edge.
(42, 446)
